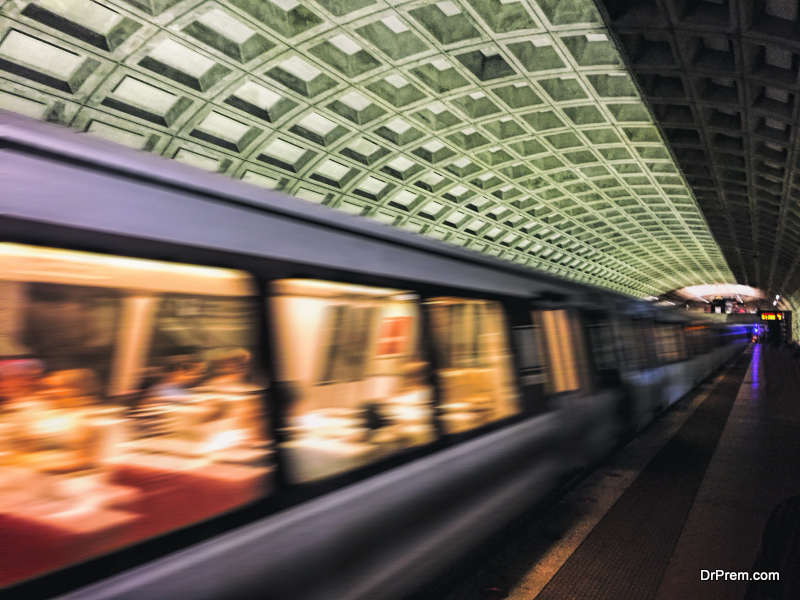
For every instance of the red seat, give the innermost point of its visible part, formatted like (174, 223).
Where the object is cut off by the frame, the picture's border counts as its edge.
(38, 543)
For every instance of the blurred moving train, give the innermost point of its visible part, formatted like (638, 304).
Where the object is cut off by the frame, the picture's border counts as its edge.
(210, 390)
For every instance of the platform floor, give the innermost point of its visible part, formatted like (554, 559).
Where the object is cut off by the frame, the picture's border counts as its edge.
(691, 492)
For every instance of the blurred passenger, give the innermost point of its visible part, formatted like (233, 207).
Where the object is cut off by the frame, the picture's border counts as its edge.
(19, 382)
(230, 370)
(18, 401)
(374, 420)
(238, 403)
(171, 389)
(71, 389)
(180, 373)
(57, 433)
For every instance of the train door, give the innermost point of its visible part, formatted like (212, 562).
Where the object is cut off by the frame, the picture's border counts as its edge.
(639, 368)
(573, 385)
(474, 364)
(668, 350)
(635, 355)
(696, 352)
(602, 356)
(527, 342)
(605, 364)
(680, 339)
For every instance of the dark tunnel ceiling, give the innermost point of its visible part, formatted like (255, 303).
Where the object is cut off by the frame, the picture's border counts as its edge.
(722, 80)
(508, 127)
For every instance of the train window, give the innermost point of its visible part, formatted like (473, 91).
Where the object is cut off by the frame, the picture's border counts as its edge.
(601, 341)
(603, 357)
(690, 342)
(633, 345)
(666, 343)
(530, 355)
(658, 334)
(349, 331)
(704, 339)
(531, 368)
(562, 347)
(129, 405)
(474, 367)
(646, 331)
(351, 358)
(680, 342)
(695, 336)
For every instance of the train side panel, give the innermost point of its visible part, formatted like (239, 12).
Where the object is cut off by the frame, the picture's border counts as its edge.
(379, 538)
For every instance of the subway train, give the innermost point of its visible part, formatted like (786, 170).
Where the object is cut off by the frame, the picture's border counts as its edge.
(210, 390)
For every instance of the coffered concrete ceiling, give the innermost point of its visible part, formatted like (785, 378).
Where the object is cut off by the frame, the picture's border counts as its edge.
(721, 78)
(508, 127)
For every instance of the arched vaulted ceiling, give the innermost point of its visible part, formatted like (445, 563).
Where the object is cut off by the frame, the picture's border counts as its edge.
(508, 127)
(722, 79)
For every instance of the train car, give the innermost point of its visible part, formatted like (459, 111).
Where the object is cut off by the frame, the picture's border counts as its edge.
(210, 390)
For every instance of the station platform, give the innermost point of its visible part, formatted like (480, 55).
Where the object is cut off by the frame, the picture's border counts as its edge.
(689, 497)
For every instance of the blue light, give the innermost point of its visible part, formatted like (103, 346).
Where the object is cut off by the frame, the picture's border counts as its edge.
(756, 365)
